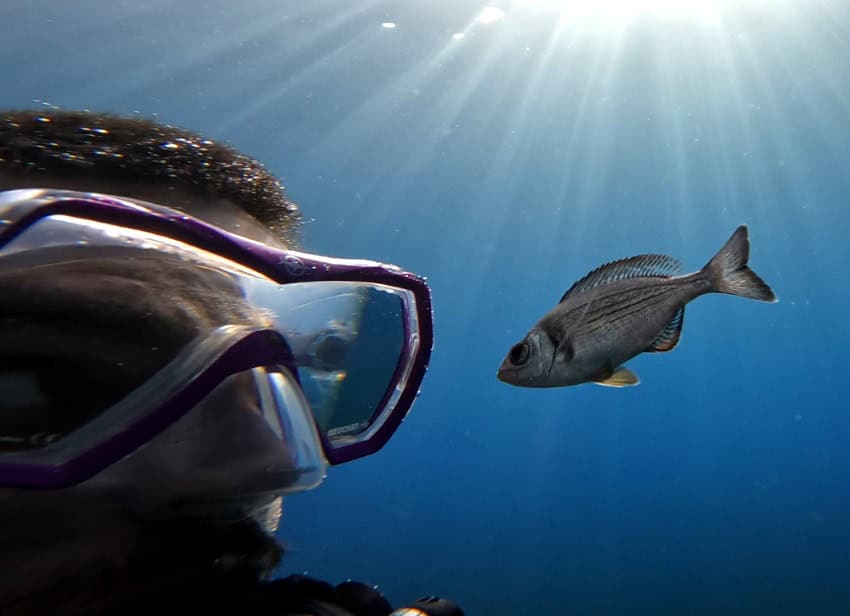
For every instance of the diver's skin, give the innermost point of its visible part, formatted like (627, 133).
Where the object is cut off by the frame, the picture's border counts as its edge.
(217, 211)
(220, 212)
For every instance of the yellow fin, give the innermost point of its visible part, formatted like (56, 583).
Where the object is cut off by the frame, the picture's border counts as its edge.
(621, 377)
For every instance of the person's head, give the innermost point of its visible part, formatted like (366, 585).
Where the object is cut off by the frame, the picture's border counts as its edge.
(92, 313)
(162, 355)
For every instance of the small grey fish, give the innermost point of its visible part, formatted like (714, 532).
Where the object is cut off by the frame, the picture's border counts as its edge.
(620, 310)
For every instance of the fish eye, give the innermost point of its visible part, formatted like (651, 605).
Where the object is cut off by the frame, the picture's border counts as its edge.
(519, 354)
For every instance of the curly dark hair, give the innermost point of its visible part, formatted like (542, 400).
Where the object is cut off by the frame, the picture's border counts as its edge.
(81, 144)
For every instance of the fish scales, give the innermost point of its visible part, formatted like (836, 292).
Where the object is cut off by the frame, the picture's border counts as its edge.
(621, 305)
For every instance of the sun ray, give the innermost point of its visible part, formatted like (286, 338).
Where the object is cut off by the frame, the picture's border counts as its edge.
(692, 9)
(430, 132)
(320, 42)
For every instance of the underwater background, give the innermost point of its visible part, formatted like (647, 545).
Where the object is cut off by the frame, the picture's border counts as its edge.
(503, 151)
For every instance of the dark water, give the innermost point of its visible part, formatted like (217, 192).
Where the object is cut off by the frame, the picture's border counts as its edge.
(504, 165)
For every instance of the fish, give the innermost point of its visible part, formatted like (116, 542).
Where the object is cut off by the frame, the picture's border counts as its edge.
(620, 310)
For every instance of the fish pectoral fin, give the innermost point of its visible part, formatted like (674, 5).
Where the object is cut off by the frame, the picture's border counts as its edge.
(669, 337)
(621, 377)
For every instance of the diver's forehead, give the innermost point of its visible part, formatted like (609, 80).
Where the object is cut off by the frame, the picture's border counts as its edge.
(217, 211)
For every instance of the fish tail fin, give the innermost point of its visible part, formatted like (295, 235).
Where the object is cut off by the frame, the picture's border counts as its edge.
(728, 271)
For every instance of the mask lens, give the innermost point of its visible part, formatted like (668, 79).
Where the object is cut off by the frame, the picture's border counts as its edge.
(349, 341)
(88, 315)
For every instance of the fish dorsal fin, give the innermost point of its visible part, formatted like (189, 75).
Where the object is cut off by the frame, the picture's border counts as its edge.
(633, 267)
(621, 377)
(669, 337)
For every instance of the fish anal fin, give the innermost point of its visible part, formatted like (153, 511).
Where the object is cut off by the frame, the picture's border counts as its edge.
(621, 377)
(669, 337)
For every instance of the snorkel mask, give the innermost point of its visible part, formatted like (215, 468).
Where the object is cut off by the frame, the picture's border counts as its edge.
(330, 353)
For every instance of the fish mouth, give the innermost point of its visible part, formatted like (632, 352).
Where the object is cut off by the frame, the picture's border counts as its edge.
(503, 374)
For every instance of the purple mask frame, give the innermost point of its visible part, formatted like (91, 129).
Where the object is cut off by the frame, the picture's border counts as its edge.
(281, 266)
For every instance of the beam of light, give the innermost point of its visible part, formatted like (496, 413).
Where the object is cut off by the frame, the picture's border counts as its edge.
(322, 37)
(490, 14)
(622, 8)
(362, 124)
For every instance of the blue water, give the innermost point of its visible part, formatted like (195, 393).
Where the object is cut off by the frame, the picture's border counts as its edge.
(504, 165)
